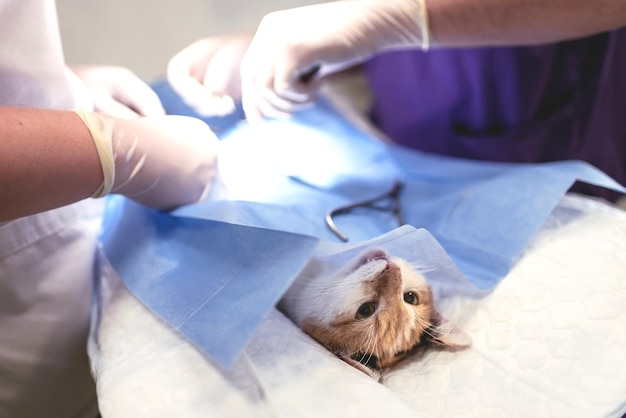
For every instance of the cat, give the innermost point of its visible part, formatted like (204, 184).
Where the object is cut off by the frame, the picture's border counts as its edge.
(373, 312)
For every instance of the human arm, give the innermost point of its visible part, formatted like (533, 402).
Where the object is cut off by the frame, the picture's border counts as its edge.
(520, 22)
(48, 159)
(317, 40)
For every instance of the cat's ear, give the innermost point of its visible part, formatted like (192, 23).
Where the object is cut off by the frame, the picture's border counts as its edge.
(446, 335)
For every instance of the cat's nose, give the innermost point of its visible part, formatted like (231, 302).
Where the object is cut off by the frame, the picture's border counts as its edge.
(391, 266)
(390, 280)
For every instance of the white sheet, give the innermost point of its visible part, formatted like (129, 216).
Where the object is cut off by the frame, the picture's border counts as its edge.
(550, 340)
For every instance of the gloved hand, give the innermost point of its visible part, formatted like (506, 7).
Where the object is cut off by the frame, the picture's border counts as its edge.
(294, 49)
(118, 91)
(206, 73)
(162, 162)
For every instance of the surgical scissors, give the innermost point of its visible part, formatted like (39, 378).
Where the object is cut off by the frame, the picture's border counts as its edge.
(393, 194)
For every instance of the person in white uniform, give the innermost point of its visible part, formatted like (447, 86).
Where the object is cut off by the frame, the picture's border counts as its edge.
(56, 153)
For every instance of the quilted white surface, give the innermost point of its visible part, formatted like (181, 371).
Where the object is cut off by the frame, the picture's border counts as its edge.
(549, 341)
(144, 369)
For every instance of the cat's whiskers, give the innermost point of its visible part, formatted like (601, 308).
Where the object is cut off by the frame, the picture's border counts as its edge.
(365, 353)
(323, 288)
(424, 323)
(333, 286)
(419, 267)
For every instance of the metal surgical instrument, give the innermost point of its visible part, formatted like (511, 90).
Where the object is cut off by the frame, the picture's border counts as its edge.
(393, 194)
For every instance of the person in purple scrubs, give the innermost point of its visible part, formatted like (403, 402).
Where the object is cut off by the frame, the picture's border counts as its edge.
(520, 104)
(519, 81)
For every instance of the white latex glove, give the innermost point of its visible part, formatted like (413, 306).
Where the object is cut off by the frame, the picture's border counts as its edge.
(162, 161)
(294, 49)
(206, 73)
(118, 91)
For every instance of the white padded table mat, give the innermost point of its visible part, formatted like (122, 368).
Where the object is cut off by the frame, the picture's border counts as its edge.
(548, 341)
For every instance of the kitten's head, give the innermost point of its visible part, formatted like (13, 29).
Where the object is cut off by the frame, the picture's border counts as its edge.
(376, 311)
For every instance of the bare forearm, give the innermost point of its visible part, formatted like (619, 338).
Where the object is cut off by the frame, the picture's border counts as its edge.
(520, 22)
(47, 160)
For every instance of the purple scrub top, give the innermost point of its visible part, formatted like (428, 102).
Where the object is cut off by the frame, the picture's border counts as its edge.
(524, 104)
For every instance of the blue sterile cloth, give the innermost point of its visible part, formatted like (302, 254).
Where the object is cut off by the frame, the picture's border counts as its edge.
(213, 270)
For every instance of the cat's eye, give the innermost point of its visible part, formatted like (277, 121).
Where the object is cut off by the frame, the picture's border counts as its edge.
(411, 298)
(366, 310)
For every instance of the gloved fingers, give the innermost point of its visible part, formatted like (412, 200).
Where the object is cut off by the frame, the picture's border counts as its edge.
(205, 103)
(185, 72)
(296, 78)
(108, 84)
(223, 82)
(260, 101)
(294, 49)
(215, 105)
(205, 74)
(222, 74)
(104, 102)
(263, 99)
(256, 108)
(267, 104)
(291, 53)
(162, 162)
(273, 106)
(202, 100)
(263, 94)
(135, 94)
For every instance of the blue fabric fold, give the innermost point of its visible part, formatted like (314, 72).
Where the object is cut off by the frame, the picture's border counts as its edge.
(485, 214)
(214, 282)
(213, 270)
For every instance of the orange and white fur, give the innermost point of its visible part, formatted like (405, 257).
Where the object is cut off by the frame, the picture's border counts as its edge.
(371, 313)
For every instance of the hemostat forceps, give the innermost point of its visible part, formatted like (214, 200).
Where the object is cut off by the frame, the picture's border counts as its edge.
(393, 194)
